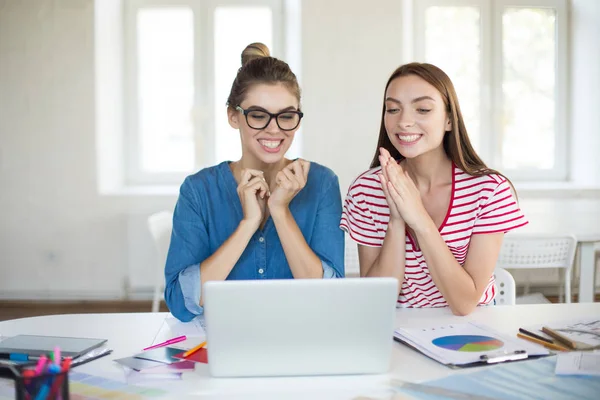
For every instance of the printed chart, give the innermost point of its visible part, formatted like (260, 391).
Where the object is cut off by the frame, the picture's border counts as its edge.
(469, 343)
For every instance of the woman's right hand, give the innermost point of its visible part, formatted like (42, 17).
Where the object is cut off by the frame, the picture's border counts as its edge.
(384, 159)
(253, 192)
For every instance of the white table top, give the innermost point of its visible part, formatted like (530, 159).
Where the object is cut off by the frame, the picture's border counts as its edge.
(127, 334)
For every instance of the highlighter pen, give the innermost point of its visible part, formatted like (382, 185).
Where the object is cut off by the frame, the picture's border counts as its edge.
(195, 349)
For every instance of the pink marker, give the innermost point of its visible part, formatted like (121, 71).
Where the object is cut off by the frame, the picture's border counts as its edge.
(39, 368)
(168, 342)
(57, 358)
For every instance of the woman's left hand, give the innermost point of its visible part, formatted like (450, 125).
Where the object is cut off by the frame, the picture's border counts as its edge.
(405, 194)
(288, 182)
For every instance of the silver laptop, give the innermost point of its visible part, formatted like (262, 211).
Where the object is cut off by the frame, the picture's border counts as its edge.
(300, 327)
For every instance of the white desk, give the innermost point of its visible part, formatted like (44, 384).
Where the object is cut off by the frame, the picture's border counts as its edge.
(580, 217)
(128, 333)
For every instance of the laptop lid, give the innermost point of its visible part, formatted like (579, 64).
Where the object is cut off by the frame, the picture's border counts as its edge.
(300, 326)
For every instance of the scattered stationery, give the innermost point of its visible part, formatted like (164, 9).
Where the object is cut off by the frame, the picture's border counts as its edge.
(92, 387)
(180, 366)
(195, 327)
(162, 355)
(535, 338)
(467, 344)
(138, 364)
(47, 378)
(571, 334)
(167, 342)
(578, 363)
(31, 347)
(533, 379)
(193, 350)
(200, 356)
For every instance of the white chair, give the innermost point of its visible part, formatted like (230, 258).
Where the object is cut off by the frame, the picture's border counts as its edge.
(506, 293)
(160, 225)
(537, 252)
(351, 264)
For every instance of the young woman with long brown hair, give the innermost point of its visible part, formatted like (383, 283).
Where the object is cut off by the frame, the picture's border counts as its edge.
(429, 212)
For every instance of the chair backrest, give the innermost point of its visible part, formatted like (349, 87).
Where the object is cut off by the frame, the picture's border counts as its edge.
(506, 294)
(537, 251)
(160, 225)
(351, 264)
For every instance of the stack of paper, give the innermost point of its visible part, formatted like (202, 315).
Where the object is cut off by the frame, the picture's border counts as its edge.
(160, 363)
(467, 343)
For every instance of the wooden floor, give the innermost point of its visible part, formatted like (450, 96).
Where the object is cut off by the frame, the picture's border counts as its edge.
(22, 309)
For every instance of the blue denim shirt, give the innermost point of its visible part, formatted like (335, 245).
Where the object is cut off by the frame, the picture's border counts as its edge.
(209, 210)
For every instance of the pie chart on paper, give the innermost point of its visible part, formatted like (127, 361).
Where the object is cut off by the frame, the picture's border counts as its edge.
(468, 343)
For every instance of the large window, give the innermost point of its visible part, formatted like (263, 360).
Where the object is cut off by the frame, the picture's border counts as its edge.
(507, 59)
(182, 57)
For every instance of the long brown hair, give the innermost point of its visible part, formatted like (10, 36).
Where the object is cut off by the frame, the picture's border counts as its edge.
(456, 142)
(259, 67)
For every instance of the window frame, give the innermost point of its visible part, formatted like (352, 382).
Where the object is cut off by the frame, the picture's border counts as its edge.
(491, 96)
(204, 72)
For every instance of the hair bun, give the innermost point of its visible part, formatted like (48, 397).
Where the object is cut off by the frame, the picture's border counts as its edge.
(253, 51)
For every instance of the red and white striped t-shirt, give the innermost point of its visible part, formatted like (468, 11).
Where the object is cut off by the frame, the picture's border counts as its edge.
(479, 205)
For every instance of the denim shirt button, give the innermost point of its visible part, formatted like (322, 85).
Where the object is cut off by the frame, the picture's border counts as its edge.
(261, 239)
(260, 271)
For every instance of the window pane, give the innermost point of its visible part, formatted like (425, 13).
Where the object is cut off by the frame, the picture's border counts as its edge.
(452, 42)
(528, 87)
(165, 89)
(235, 28)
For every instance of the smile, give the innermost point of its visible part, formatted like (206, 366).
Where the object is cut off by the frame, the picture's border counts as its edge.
(408, 139)
(271, 146)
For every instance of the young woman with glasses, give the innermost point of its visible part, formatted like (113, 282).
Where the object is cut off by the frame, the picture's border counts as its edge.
(263, 216)
(429, 211)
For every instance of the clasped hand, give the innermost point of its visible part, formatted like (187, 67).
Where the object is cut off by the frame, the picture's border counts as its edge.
(256, 195)
(401, 193)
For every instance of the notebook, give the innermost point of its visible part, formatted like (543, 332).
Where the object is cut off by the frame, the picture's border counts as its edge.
(35, 346)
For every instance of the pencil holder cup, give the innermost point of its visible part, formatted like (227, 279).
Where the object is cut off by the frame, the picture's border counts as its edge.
(47, 386)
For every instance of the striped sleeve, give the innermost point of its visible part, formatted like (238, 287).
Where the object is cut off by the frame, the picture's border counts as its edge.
(358, 218)
(500, 212)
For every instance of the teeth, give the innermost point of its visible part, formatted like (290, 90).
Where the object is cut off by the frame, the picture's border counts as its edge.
(410, 138)
(272, 144)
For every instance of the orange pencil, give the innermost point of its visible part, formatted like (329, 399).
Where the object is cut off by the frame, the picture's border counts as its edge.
(195, 349)
(551, 346)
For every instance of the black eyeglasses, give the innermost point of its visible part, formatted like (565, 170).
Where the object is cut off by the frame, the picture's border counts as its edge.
(258, 119)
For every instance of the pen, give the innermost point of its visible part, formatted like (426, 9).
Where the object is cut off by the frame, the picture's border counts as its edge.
(195, 349)
(561, 338)
(551, 346)
(18, 357)
(167, 342)
(538, 337)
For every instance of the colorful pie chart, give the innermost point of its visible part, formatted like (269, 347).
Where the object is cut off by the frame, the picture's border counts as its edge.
(470, 343)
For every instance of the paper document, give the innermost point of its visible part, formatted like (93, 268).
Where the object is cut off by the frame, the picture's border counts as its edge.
(172, 327)
(193, 328)
(466, 343)
(532, 379)
(578, 363)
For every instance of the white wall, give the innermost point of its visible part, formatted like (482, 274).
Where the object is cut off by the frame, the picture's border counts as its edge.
(59, 238)
(585, 91)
